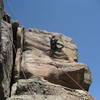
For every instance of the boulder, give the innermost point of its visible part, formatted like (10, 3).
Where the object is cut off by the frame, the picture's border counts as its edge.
(36, 60)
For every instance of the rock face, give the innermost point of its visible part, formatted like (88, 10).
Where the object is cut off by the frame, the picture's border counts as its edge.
(31, 71)
(43, 90)
(37, 60)
(6, 57)
(39, 75)
(6, 63)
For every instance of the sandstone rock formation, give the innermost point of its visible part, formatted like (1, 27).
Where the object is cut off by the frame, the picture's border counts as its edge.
(36, 60)
(28, 70)
(34, 73)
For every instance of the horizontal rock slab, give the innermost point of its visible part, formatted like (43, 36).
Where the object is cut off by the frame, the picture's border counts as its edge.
(39, 89)
(75, 76)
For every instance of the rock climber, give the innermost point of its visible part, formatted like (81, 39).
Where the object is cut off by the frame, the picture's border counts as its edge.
(54, 44)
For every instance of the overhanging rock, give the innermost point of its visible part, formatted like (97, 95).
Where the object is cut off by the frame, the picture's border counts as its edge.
(36, 60)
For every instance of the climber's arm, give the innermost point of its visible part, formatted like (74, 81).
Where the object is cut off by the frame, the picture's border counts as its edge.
(62, 46)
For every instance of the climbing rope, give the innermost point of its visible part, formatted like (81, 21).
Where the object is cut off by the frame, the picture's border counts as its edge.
(70, 76)
(66, 73)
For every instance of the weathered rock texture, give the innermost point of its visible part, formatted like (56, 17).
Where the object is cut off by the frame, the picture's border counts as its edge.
(7, 58)
(38, 75)
(29, 70)
(36, 60)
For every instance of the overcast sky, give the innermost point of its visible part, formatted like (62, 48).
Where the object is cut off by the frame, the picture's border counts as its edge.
(79, 19)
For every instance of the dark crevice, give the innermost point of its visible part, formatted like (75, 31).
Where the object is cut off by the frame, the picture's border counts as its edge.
(14, 29)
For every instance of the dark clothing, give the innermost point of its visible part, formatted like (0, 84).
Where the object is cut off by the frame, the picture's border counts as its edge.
(54, 44)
